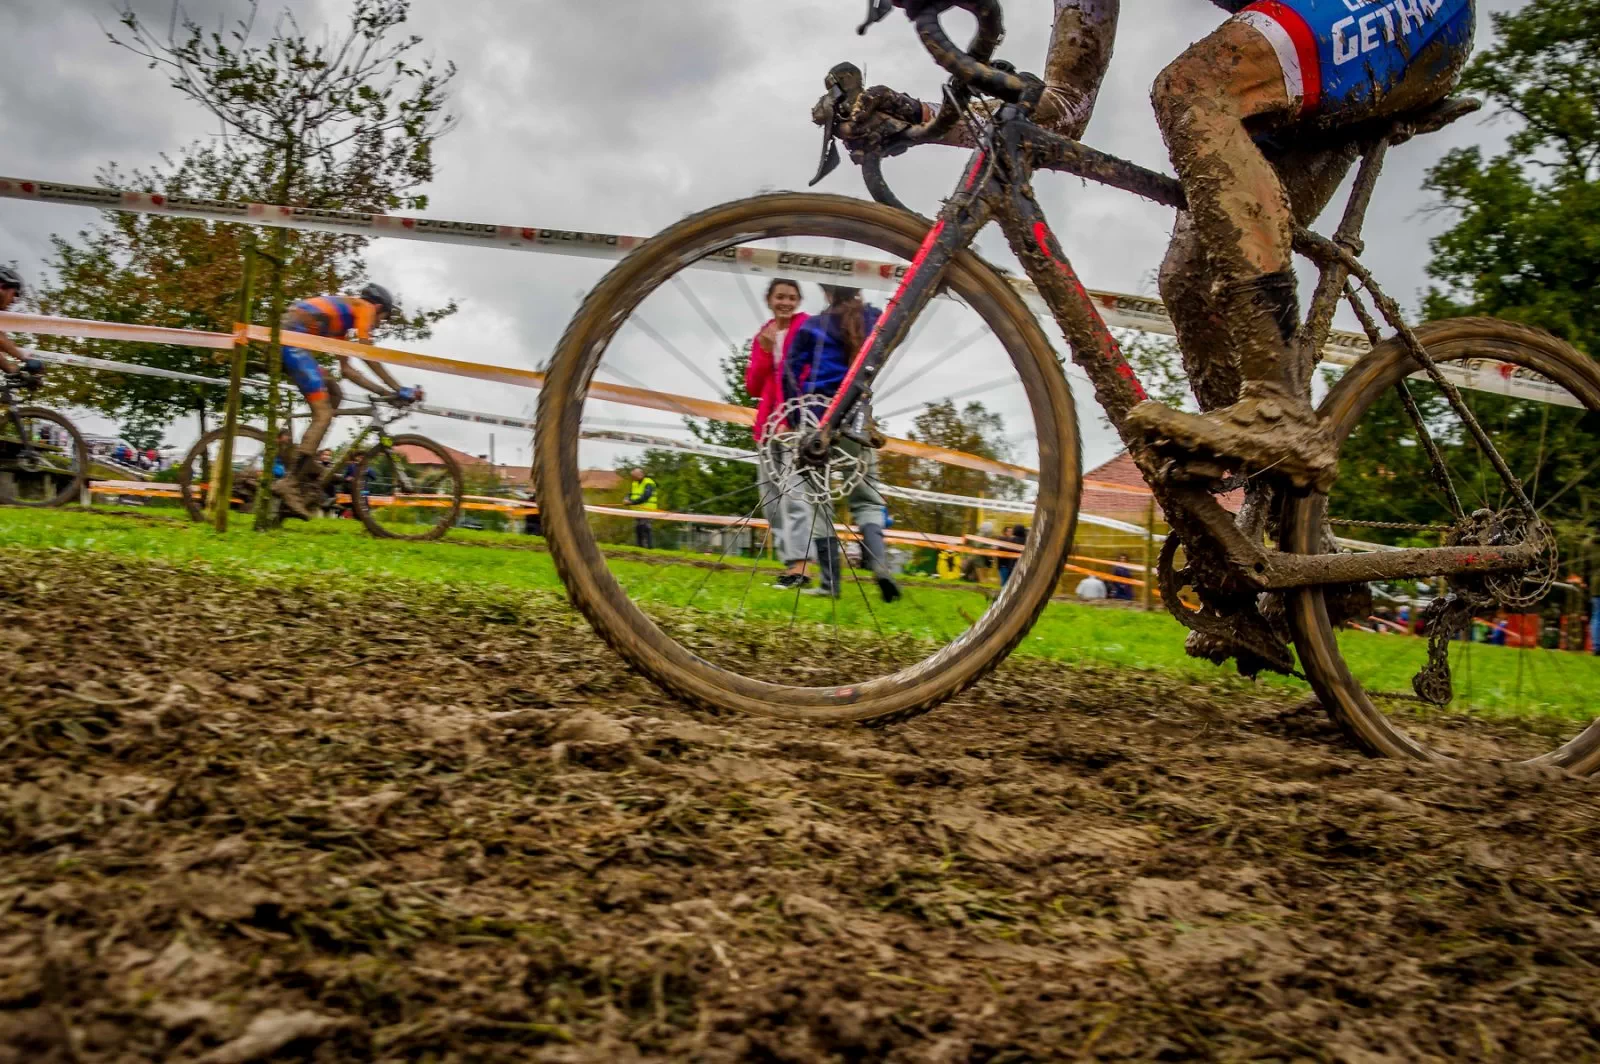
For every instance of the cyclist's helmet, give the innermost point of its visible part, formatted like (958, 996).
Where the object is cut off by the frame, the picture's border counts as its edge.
(10, 278)
(376, 293)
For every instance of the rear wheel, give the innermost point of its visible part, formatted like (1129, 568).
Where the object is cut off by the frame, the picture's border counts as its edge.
(198, 471)
(692, 596)
(44, 461)
(1507, 677)
(406, 487)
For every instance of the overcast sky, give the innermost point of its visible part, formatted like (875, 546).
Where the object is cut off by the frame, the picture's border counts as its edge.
(624, 116)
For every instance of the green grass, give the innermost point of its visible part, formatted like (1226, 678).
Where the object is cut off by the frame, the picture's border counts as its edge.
(1493, 679)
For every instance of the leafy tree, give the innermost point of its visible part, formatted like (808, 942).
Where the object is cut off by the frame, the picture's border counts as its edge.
(1159, 366)
(696, 484)
(1528, 220)
(974, 429)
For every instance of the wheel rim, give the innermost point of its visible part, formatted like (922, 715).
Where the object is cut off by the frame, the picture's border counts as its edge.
(709, 654)
(200, 465)
(1518, 699)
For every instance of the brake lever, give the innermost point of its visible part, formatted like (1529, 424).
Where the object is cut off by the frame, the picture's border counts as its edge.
(830, 151)
(877, 11)
(842, 82)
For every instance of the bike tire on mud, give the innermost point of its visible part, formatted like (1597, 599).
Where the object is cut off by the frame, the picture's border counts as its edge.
(1347, 401)
(358, 501)
(638, 639)
(80, 450)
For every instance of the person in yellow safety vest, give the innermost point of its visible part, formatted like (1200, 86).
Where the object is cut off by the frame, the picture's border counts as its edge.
(642, 495)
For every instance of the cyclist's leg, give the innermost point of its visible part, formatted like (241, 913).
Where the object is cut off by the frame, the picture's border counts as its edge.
(1080, 52)
(1310, 171)
(303, 369)
(1262, 68)
(307, 376)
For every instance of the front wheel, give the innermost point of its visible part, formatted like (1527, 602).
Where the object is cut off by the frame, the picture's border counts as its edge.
(695, 593)
(1460, 669)
(405, 487)
(44, 460)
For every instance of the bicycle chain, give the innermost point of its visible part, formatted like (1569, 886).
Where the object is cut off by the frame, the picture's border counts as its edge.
(1397, 525)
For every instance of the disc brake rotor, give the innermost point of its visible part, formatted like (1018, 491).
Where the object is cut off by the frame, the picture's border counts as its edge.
(786, 430)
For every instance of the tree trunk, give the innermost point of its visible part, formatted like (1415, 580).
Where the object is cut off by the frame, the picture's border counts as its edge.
(280, 252)
(222, 483)
(200, 405)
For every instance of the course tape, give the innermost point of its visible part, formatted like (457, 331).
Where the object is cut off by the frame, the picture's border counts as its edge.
(601, 390)
(1119, 309)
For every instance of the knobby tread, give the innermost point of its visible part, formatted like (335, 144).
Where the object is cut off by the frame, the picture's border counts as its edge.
(80, 448)
(451, 466)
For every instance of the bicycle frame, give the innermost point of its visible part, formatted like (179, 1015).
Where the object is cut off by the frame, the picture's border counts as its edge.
(377, 422)
(994, 186)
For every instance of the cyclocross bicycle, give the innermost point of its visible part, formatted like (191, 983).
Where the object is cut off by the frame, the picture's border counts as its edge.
(401, 486)
(44, 460)
(1506, 474)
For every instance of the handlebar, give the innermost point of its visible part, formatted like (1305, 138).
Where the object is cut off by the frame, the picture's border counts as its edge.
(972, 68)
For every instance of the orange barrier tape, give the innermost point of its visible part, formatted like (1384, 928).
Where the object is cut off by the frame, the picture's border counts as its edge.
(48, 325)
(616, 393)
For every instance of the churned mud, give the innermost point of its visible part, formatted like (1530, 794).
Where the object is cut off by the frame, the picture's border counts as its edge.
(246, 823)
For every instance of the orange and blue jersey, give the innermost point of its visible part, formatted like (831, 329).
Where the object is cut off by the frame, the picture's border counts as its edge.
(334, 316)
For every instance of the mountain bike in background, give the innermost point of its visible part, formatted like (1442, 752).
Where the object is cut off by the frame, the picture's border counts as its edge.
(44, 460)
(401, 486)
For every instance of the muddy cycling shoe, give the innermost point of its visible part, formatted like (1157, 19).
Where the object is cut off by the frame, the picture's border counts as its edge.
(299, 495)
(1269, 430)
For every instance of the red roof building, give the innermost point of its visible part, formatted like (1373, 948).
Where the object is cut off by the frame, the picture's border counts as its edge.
(1117, 489)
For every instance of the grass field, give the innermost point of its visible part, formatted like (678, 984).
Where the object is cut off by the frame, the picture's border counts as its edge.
(1493, 679)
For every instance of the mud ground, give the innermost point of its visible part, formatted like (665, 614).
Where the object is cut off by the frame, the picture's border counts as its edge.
(244, 823)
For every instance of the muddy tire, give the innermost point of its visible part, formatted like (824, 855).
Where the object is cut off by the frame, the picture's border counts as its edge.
(380, 457)
(74, 468)
(634, 634)
(1341, 692)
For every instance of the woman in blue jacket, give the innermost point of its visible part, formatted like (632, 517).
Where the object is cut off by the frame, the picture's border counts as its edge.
(819, 357)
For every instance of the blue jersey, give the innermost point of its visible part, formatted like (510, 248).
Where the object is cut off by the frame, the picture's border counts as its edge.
(819, 355)
(1345, 55)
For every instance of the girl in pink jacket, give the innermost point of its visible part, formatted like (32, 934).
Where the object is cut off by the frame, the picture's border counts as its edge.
(788, 515)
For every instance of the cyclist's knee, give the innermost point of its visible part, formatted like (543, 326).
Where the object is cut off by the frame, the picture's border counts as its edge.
(1176, 87)
(1217, 83)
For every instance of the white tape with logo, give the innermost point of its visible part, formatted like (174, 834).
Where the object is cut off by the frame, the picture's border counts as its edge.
(1120, 310)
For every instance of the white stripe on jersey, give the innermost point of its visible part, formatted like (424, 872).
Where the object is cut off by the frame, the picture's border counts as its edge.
(1283, 44)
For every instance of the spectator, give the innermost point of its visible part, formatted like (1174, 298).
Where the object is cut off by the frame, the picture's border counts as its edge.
(642, 496)
(1123, 588)
(1594, 625)
(1017, 534)
(1091, 588)
(819, 357)
(788, 515)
